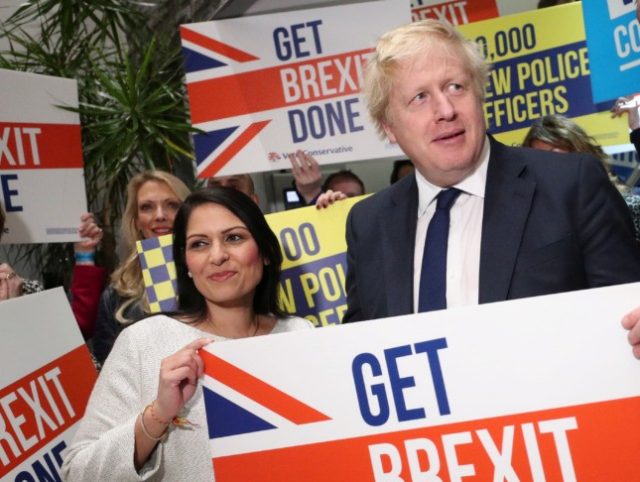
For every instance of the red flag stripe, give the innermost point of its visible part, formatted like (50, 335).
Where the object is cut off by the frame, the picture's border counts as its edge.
(40, 146)
(216, 46)
(259, 391)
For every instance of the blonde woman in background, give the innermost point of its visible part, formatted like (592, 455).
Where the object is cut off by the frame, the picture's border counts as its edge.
(153, 199)
(560, 134)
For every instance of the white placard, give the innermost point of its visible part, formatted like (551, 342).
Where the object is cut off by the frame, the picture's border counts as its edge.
(41, 168)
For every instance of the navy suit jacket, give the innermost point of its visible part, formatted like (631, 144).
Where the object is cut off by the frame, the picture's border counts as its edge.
(551, 223)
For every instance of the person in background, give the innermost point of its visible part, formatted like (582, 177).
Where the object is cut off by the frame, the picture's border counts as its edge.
(339, 185)
(146, 416)
(631, 320)
(560, 134)
(153, 199)
(401, 168)
(240, 182)
(12, 285)
(307, 176)
(87, 279)
(346, 182)
(630, 105)
(485, 222)
(308, 182)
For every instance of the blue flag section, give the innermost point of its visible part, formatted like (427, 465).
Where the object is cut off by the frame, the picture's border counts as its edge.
(228, 418)
(613, 39)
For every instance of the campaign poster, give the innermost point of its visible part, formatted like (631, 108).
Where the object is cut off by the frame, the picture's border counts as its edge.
(613, 38)
(41, 168)
(314, 250)
(541, 66)
(46, 378)
(456, 12)
(312, 283)
(537, 389)
(263, 86)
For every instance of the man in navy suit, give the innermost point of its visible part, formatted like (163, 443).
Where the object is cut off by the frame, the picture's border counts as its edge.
(524, 222)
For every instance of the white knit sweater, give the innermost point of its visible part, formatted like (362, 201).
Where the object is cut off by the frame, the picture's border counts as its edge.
(103, 446)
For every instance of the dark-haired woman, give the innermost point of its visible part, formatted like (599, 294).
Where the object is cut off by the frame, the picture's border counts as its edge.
(228, 266)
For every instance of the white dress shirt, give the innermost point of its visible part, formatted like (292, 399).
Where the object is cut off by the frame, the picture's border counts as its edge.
(465, 230)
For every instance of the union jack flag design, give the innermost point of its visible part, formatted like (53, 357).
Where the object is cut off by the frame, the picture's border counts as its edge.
(214, 148)
(238, 402)
(269, 83)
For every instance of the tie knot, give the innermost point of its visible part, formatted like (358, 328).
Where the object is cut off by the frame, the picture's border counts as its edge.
(447, 197)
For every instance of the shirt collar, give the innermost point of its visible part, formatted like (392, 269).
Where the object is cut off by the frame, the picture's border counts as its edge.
(473, 184)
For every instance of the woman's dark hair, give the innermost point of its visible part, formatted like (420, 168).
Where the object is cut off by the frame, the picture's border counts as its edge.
(191, 303)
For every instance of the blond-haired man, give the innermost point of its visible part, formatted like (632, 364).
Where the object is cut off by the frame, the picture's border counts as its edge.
(521, 222)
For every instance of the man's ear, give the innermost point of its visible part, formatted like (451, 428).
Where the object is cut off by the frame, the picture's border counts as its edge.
(389, 132)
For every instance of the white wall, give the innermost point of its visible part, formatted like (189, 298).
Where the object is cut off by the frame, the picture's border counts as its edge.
(505, 7)
(7, 8)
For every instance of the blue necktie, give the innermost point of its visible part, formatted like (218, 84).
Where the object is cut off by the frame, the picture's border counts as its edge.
(433, 278)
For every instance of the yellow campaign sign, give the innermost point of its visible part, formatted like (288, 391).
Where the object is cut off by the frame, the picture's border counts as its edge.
(297, 230)
(314, 248)
(540, 66)
(534, 31)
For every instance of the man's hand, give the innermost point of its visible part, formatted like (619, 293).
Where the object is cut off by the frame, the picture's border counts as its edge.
(327, 198)
(306, 172)
(631, 322)
(629, 104)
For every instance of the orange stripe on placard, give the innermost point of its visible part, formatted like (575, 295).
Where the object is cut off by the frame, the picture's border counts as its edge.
(262, 90)
(233, 148)
(257, 390)
(59, 390)
(216, 46)
(456, 12)
(40, 146)
(603, 447)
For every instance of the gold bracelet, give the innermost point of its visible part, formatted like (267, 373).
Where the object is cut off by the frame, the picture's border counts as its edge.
(162, 436)
(155, 418)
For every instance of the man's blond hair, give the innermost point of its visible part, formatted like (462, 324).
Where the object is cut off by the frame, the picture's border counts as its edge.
(407, 43)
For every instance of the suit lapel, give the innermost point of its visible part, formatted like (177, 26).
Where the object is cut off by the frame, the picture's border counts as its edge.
(508, 198)
(398, 224)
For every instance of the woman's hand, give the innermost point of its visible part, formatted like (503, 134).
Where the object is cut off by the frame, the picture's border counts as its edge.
(91, 235)
(10, 283)
(179, 375)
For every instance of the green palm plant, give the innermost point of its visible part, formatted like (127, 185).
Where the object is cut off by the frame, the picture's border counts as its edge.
(132, 101)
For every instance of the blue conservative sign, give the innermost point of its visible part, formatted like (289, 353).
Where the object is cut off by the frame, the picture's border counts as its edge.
(613, 40)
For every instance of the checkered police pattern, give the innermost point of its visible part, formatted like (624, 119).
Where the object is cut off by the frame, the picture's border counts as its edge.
(158, 272)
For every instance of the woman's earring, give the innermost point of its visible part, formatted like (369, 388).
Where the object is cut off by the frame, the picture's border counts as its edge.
(189, 274)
